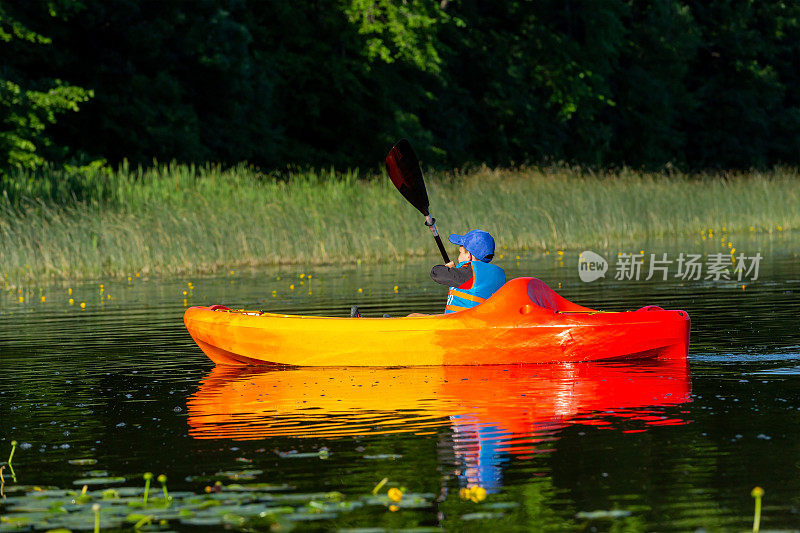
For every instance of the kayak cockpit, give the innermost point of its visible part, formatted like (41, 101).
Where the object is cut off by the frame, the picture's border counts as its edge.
(543, 296)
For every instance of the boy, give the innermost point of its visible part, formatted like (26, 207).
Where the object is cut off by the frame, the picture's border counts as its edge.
(473, 280)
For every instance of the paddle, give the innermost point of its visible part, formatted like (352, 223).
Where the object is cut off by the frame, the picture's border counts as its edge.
(403, 167)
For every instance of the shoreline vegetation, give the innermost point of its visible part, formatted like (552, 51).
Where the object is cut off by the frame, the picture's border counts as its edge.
(181, 219)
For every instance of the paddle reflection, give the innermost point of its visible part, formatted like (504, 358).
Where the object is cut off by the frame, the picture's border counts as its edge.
(515, 407)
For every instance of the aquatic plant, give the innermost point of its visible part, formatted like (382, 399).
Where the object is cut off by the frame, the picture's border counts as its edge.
(163, 480)
(380, 485)
(175, 219)
(757, 493)
(96, 511)
(147, 477)
(143, 521)
(237, 506)
(10, 457)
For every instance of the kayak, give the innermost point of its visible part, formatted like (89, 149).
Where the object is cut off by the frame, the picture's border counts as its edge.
(524, 322)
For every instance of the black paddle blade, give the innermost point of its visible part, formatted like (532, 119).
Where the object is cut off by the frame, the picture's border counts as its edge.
(403, 167)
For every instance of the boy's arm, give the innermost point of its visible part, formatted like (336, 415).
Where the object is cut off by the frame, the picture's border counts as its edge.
(451, 276)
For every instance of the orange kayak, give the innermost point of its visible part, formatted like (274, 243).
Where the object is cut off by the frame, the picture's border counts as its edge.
(524, 322)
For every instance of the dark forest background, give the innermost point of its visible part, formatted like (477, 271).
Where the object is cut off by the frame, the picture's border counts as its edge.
(602, 83)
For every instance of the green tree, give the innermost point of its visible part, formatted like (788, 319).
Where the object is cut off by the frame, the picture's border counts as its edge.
(29, 105)
(651, 85)
(173, 80)
(336, 82)
(353, 75)
(740, 94)
(531, 78)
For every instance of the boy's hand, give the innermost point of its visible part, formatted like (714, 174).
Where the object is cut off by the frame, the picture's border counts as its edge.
(450, 264)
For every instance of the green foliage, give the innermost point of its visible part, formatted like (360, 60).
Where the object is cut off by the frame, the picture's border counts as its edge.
(26, 111)
(404, 31)
(606, 83)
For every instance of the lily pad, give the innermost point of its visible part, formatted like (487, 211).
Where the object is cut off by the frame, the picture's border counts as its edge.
(594, 515)
(99, 481)
(240, 474)
(82, 462)
(13, 489)
(305, 517)
(42, 507)
(130, 491)
(482, 516)
(304, 498)
(422, 529)
(202, 521)
(500, 505)
(330, 507)
(157, 514)
(52, 493)
(253, 487)
(234, 520)
(303, 455)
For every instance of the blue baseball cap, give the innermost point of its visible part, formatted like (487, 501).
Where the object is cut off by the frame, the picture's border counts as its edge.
(477, 242)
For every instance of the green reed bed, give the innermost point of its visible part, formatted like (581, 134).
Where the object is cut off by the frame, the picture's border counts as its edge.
(184, 219)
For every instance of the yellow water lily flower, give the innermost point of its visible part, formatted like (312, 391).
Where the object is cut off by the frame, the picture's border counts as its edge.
(478, 494)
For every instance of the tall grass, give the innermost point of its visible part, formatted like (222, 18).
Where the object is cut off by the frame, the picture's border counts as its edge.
(179, 219)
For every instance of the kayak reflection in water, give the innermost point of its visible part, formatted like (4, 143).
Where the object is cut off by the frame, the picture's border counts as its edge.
(474, 279)
(484, 417)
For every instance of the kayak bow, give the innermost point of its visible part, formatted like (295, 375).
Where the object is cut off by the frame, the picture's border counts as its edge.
(524, 322)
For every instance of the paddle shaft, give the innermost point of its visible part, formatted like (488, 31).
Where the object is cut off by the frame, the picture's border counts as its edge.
(431, 223)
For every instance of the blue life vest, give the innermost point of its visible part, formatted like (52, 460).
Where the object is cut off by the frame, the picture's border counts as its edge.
(486, 279)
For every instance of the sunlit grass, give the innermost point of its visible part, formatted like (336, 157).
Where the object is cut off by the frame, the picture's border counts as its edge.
(182, 219)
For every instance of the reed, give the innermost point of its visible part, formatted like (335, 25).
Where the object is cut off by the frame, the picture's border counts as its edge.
(179, 219)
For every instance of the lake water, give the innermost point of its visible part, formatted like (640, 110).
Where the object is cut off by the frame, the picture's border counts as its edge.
(592, 447)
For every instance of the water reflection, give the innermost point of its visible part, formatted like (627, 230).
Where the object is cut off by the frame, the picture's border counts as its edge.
(492, 411)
